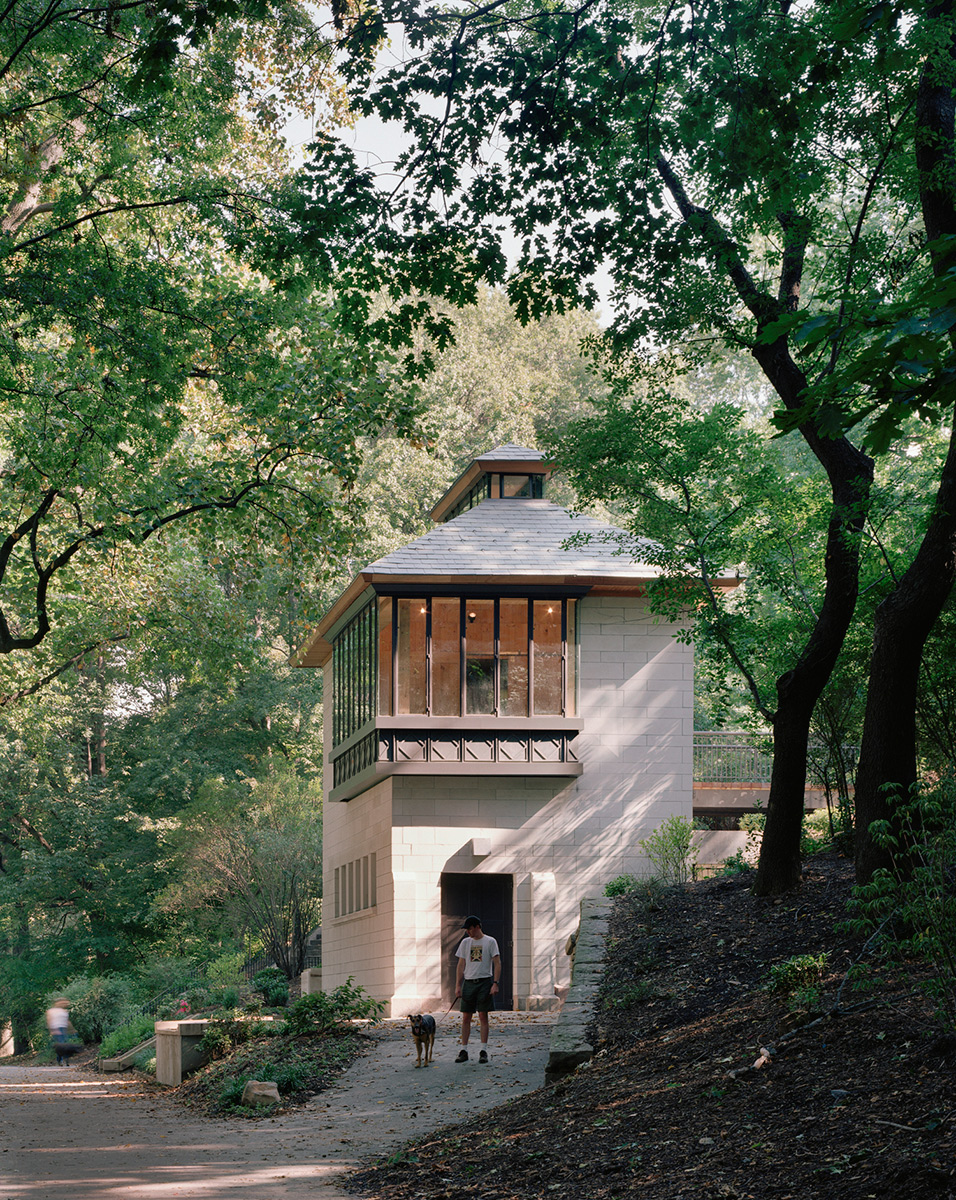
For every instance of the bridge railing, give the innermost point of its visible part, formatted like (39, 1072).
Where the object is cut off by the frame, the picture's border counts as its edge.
(731, 757)
(738, 757)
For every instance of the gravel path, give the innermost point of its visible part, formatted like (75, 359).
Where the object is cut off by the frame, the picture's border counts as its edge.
(74, 1134)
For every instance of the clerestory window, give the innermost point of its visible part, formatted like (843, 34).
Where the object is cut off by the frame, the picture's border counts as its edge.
(499, 486)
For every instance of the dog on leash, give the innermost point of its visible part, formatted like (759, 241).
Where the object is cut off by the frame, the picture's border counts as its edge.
(423, 1032)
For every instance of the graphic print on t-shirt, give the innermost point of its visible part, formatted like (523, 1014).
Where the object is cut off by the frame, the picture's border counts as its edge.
(476, 954)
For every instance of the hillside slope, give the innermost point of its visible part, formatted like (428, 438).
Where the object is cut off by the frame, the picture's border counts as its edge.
(855, 1104)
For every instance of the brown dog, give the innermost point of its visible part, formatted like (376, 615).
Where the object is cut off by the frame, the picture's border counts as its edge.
(423, 1031)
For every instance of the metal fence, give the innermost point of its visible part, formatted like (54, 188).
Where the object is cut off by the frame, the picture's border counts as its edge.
(731, 757)
(736, 757)
(252, 966)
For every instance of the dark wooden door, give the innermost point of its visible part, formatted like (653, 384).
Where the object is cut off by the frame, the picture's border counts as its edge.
(490, 898)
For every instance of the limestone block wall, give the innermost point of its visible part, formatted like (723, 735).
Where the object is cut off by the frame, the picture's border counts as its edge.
(636, 695)
(559, 839)
(358, 933)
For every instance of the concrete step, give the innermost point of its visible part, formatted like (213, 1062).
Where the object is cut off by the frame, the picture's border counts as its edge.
(124, 1061)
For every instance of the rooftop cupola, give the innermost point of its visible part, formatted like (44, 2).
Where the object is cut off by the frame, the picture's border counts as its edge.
(507, 473)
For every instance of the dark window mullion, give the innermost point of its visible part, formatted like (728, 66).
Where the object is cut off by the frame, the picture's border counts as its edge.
(364, 664)
(350, 678)
(530, 658)
(394, 656)
(564, 657)
(462, 668)
(336, 697)
(363, 672)
(356, 667)
(370, 649)
(356, 660)
(497, 655)
(356, 673)
(343, 684)
(373, 682)
(343, 709)
(428, 656)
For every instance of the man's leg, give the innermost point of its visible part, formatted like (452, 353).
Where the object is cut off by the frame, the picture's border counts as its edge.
(465, 1031)
(483, 1027)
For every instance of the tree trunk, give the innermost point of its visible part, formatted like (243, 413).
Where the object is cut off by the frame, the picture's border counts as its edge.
(850, 473)
(902, 624)
(779, 867)
(25, 1010)
(904, 620)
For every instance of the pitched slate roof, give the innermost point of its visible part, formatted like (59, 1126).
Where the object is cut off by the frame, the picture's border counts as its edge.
(516, 537)
(511, 452)
(506, 541)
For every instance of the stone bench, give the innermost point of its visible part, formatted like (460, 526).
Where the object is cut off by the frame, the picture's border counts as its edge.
(177, 1048)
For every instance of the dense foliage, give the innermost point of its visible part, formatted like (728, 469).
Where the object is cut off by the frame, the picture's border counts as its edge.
(156, 368)
(179, 424)
(776, 179)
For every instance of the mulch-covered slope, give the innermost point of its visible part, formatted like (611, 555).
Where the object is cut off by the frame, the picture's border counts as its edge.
(856, 1105)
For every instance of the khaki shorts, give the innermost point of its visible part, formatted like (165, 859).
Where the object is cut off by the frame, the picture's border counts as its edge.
(476, 995)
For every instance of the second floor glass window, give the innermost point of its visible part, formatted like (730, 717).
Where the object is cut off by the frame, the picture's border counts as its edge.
(451, 656)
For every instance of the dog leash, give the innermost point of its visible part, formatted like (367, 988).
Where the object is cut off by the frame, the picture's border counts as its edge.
(441, 1019)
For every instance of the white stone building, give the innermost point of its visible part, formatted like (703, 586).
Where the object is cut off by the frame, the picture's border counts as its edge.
(505, 720)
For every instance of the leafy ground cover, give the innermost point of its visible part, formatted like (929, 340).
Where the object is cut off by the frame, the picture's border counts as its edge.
(300, 1066)
(746, 1052)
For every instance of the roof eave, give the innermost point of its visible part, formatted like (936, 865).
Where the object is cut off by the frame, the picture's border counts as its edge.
(317, 649)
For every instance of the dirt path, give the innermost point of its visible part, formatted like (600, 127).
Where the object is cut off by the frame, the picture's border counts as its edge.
(73, 1134)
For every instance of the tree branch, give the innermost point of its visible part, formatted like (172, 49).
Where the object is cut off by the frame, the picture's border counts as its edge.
(763, 307)
(43, 680)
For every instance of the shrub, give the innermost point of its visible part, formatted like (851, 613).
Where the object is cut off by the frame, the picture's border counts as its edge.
(910, 909)
(671, 850)
(231, 1093)
(99, 1004)
(816, 833)
(322, 1012)
(228, 997)
(288, 1077)
(735, 865)
(127, 1036)
(221, 1037)
(216, 1040)
(272, 986)
(799, 978)
(226, 971)
(146, 1061)
(620, 886)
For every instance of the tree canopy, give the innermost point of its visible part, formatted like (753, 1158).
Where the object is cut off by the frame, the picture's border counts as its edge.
(770, 177)
(156, 367)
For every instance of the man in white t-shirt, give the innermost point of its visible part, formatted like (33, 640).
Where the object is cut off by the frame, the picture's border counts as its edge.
(478, 973)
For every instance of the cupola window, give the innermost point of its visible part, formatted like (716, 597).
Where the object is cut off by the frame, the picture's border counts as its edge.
(495, 485)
